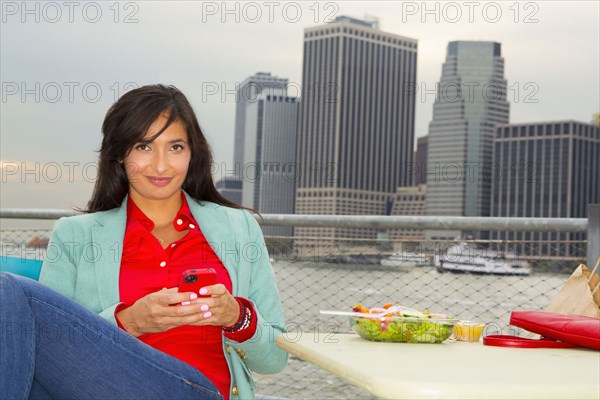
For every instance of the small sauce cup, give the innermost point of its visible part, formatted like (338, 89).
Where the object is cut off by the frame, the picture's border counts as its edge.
(468, 331)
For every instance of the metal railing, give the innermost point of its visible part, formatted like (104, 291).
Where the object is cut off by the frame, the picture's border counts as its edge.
(590, 226)
(373, 221)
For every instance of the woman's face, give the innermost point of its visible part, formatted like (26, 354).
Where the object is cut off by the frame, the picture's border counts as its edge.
(157, 170)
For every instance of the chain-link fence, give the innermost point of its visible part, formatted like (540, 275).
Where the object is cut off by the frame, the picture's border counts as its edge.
(326, 276)
(316, 274)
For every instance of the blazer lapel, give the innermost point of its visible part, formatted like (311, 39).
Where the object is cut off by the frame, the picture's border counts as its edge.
(108, 235)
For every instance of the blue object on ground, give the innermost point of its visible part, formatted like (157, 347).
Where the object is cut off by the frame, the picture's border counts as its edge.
(27, 267)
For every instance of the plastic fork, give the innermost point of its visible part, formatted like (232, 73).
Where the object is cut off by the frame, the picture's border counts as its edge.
(381, 312)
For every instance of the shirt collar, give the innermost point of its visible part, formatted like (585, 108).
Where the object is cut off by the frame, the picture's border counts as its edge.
(183, 220)
(184, 216)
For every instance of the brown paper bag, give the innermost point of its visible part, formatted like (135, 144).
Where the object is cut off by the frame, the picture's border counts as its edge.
(580, 295)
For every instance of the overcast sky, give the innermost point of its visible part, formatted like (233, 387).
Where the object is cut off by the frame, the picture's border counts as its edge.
(62, 66)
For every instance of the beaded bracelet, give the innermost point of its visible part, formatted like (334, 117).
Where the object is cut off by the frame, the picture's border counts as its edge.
(243, 321)
(247, 319)
(238, 323)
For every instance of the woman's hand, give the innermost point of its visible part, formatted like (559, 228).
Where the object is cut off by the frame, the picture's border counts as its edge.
(220, 309)
(153, 313)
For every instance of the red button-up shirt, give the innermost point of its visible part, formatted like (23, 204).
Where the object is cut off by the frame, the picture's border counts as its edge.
(146, 268)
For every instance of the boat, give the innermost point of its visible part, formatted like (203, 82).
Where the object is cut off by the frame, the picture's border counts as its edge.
(405, 260)
(468, 257)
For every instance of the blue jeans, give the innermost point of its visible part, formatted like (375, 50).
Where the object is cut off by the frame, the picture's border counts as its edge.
(54, 348)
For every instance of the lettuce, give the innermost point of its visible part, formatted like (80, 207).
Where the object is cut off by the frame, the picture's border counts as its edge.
(399, 329)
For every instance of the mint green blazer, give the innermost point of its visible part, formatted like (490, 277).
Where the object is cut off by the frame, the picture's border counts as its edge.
(84, 258)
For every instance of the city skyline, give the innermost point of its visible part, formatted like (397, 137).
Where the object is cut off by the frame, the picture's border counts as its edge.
(561, 72)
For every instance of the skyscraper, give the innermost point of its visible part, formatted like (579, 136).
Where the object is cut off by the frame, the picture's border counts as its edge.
(470, 103)
(356, 122)
(268, 176)
(546, 169)
(248, 93)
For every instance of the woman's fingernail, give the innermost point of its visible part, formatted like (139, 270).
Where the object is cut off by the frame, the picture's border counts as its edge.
(207, 314)
(204, 307)
(185, 303)
(193, 296)
(203, 291)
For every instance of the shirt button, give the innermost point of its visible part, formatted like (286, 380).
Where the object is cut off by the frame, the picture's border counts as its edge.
(234, 391)
(172, 244)
(162, 264)
(179, 221)
(192, 226)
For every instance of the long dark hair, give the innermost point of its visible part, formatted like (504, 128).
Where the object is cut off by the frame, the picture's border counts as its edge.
(127, 122)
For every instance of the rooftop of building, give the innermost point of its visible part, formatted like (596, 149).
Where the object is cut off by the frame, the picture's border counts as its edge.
(264, 77)
(528, 129)
(372, 23)
(563, 121)
(456, 46)
(369, 29)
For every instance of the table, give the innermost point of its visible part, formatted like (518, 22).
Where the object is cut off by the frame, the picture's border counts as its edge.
(452, 370)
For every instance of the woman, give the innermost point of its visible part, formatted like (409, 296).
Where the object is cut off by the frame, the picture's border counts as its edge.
(154, 213)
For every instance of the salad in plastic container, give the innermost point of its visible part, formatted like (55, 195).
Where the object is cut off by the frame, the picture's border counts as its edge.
(400, 324)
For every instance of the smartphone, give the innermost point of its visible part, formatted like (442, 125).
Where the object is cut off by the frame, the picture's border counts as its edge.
(193, 280)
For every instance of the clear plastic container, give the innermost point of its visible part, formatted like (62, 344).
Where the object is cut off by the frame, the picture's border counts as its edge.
(468, 331)
(403, 329)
